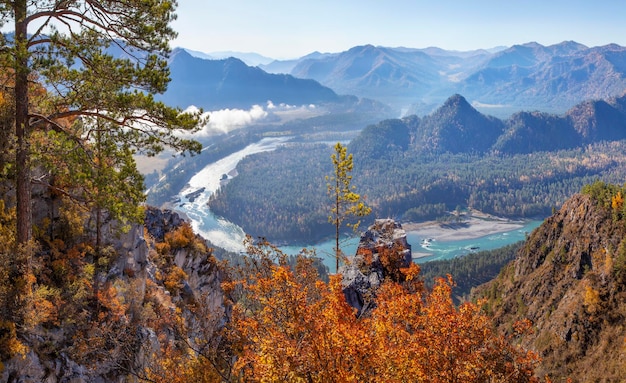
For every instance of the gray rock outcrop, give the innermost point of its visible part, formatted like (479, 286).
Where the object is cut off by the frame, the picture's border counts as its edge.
(364, 272)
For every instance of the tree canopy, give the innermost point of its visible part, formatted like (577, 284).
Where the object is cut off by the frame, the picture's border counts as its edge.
(287, 325)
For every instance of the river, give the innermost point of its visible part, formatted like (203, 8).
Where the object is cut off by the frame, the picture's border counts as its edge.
(229, 236)
(203, 184)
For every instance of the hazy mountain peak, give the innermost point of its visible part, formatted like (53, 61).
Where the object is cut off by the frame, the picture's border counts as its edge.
(250, 58)
(198, 54)
(316, 55)
(179, 53)
(531, 44)
(570, 44)
(457, 102)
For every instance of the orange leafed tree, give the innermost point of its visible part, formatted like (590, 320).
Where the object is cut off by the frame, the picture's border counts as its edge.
(288, 326)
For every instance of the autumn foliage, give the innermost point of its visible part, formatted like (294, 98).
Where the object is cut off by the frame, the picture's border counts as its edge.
(287, 326)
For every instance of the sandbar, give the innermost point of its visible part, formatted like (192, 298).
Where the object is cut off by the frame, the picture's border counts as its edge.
(470, 226)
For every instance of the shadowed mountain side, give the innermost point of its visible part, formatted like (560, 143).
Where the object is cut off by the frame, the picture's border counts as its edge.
(229, 83)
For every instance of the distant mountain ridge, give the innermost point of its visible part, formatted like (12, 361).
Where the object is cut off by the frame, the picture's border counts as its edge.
(530, 76)
(386, 74)
(526, 76)
(250, 58)
(559, 76)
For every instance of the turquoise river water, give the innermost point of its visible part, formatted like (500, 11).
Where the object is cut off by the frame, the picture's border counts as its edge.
(438, 250)
(229, 236)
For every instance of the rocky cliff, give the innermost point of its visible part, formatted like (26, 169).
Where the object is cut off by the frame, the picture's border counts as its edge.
(160, 284)
(569, 279)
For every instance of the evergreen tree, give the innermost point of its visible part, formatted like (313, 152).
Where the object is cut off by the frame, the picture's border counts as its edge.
(68, 46)
(346, 202)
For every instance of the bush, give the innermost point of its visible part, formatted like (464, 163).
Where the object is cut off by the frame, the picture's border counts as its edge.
(180, 238)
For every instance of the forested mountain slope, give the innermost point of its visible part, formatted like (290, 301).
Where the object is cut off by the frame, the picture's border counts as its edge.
(457, 127)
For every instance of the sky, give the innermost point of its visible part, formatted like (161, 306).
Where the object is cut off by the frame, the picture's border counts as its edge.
(283, 29)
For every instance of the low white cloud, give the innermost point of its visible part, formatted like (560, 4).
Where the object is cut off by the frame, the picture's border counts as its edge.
(226, 120)
(478, 104)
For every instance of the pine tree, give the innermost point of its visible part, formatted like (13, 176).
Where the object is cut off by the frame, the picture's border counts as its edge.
(67, 46)
(346, 203)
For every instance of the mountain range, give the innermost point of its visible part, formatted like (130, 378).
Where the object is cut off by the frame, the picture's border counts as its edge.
(526, 76)
(250, 58)
(522, 77)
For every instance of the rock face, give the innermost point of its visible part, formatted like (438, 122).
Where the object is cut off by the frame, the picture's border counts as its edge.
(568, 280)
(158, 222)
(136, 264)
(368, 268)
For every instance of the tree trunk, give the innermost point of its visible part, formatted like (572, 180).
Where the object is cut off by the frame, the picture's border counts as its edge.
(22, 129)
(337, 224)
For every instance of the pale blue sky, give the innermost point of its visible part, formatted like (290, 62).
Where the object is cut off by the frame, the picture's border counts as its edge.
(293, 28)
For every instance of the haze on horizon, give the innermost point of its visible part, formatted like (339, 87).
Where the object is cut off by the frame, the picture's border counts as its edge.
(285, 29)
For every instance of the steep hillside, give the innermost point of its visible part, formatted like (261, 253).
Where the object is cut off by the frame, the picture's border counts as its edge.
(569, 279)
(111, 314)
